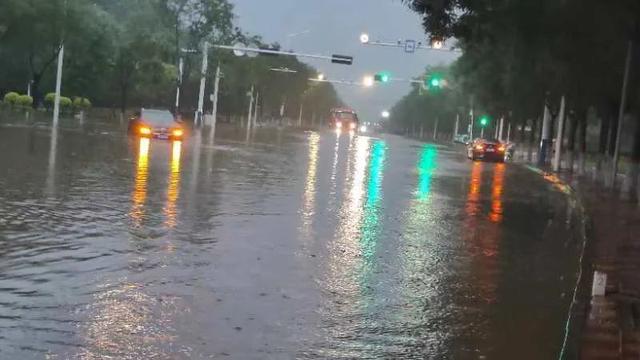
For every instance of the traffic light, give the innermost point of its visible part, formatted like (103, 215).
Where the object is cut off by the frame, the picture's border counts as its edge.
(342, 59)
(382, 77)
(434, 82)
(484, 120)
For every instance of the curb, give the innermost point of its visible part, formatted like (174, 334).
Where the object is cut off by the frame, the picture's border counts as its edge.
(579, 307)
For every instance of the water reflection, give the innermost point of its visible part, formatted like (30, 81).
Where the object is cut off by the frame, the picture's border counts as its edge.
(173, 190)
(139, 195)
(309, 197)
(472, 207)
(334, 167)
(126, 323)
(371, 225)
(51, 170)
(420, 237)
(496, 193)
(426, 166)
(482, 237)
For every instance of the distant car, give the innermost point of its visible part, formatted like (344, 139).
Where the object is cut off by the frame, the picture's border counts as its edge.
(461, 139)
(344, 119)
(159, 124)
(481, 149)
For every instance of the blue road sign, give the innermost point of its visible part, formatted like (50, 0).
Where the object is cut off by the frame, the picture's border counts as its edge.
(410, 46)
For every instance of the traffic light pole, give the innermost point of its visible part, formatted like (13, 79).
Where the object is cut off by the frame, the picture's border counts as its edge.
(214, 111)
(198, 119)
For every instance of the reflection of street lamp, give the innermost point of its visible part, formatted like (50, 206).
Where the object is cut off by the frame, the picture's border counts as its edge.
(385, 114)
(364, 38)
(368, 81)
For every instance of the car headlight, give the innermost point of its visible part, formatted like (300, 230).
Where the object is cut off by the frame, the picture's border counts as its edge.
(339, 125)
(363, 128)
(353, 126)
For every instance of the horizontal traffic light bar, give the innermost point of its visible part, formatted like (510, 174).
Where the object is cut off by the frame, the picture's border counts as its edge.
(242, 50)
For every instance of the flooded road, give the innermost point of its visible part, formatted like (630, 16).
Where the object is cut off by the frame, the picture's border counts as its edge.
(291, 245)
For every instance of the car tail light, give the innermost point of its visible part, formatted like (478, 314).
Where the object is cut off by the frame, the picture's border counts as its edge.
(144, 130)
(352, 126)
(502, 148)
(479, 147)
(177, 132)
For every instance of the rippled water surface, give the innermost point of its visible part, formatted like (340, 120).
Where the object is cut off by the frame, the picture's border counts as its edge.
(290, 245)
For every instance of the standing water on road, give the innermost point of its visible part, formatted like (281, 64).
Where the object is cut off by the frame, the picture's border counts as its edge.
(290, 245)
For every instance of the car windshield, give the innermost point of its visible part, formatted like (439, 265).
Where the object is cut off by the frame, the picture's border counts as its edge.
(158, 117)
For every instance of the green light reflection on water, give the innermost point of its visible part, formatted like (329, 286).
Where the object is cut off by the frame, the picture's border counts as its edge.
(426, 167)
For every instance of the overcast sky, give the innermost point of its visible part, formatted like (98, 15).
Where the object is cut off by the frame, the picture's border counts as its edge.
(334, 27)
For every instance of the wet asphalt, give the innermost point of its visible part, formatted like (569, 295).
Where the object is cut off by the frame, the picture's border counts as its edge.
(284, 245)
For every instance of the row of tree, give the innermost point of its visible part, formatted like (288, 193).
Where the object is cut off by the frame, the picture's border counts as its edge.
(519, 55)
(124, 53)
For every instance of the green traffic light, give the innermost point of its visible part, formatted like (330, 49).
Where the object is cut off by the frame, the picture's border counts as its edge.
(434, 82)
(484, 121)
(385, 77)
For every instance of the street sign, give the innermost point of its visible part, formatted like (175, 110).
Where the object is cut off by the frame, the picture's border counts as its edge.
(342, 59)
(410, 46)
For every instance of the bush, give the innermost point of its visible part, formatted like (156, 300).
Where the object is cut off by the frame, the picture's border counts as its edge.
(80, 103)
(65, 102)
(49, 99)
(11, 98)
(24, 100)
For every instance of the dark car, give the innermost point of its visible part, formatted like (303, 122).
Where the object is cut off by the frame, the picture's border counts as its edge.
(481, 149)
(344, 119)
(159, 124)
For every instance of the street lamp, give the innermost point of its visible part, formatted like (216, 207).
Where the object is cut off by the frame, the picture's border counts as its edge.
(364, 38)
(385, 114)
(437, 44)
(368, 81)
(320, 77)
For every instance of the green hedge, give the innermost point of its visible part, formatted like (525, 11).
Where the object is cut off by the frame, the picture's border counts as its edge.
(65, 102)
(11, 98)
(81, 103)
(24, 100)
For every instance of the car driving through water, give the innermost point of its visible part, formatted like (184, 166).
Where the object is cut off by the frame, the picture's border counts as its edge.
(153, 123)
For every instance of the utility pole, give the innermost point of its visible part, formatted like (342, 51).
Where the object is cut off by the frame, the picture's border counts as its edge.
(435, 129)
(203, 80)
(255, 109)
(509, 132)
(559, 136)
(501, 128)
(214, 111)
(623, 105)
(300, 114)
(546, 136)
(56, 103)
(472, 120)
(179, 83)
(455, 129)
(250, 109)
